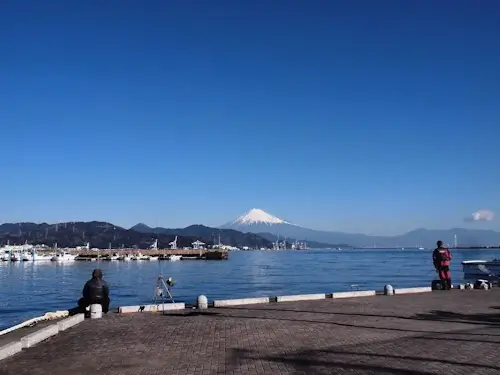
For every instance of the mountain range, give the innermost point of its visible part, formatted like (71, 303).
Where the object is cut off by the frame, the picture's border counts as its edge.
(102, 235)
(256, 228)
(259, 221)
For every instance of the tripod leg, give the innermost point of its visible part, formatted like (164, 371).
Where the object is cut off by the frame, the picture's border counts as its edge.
(170, 295)
(158, 292)
(168, 292)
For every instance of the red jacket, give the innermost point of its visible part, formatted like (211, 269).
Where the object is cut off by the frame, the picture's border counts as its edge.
(441, 257)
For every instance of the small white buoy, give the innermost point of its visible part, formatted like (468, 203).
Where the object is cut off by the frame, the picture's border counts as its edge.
(202, 302)
(388, 290)
(95, 311)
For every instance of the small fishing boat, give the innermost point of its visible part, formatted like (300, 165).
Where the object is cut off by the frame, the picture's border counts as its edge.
(174, 257)
(114, 256)
(63, 257)
(140, 256)
(475, 268)
(35, 257)
(16, 256)
(5, 256)
(125, 257)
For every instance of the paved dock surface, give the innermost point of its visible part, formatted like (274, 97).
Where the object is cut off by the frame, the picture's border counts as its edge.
(453, 333)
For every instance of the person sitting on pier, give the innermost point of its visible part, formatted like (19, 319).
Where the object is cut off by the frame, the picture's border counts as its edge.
(95, 291)
(441, 258)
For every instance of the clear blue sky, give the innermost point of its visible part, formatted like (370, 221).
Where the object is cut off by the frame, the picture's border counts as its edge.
(359, 116)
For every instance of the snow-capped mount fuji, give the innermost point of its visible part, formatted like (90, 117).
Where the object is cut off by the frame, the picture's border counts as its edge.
(256, 216)
(259, 221)
(268, 226)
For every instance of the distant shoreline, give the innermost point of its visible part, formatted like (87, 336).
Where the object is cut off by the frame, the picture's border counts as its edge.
(495, 247)
(476, 247)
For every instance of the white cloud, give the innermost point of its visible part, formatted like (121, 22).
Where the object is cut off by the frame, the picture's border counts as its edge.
(481, 215)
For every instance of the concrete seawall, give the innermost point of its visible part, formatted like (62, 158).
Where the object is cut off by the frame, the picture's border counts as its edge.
(419, 333)
(23, 338)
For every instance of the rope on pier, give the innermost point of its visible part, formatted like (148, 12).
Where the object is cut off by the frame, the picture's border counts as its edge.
(47, 316)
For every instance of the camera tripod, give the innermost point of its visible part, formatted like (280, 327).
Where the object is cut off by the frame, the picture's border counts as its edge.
(162, 292)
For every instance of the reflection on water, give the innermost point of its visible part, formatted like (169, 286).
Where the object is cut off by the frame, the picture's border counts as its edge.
(30, 289)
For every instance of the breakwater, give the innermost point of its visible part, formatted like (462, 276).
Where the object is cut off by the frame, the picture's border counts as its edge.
(162, 254)
(216, 254)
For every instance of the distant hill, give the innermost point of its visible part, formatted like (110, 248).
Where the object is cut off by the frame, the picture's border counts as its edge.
(99, 234)
(258, 221)
(102, 234)
(248, 230)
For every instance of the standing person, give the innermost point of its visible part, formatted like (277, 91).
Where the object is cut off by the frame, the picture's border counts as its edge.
(96, 290)
(441, 258)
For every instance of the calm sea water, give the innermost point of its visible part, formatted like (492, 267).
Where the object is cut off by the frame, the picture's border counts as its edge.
(30, 289)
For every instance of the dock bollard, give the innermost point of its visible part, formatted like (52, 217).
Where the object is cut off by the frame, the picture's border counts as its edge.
(388, 290)
(95, 311)
(482, 284)
(202, 302)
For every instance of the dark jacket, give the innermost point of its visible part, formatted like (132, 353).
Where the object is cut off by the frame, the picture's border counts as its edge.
(95, 289)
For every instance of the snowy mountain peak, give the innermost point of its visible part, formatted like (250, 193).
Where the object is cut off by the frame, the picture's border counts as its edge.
(258, 216)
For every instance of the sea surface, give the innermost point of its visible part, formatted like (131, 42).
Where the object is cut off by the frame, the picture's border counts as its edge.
(29, 289)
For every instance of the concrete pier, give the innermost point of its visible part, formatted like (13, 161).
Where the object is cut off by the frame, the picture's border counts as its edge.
(442, 332)
(205, 254)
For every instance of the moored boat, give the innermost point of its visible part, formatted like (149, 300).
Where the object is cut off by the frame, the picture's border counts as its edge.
(35, 256)
(16, 256)
(114, 256)
(5, 256)
(63, 257)
(475, 268)
(138, 256)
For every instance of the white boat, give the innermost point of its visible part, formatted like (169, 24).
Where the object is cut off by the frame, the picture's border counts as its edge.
(153, 257)
(475, 268)
(5, 256)
(115, 256)
(16, 256)
(174, 257)
(125, 257)
(140, 256)
(63, 257)
(35, 257)
(42, 257)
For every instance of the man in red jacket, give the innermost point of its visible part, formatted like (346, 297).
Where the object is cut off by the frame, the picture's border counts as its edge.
(441, 258)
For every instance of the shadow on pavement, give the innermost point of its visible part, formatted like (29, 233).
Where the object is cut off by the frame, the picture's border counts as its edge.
(450, 316)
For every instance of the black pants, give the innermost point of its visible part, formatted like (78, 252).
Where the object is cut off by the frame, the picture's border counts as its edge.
(104, 302)
(445, 277)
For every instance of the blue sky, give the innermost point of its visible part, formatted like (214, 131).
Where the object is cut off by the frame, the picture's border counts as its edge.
(361, 116)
